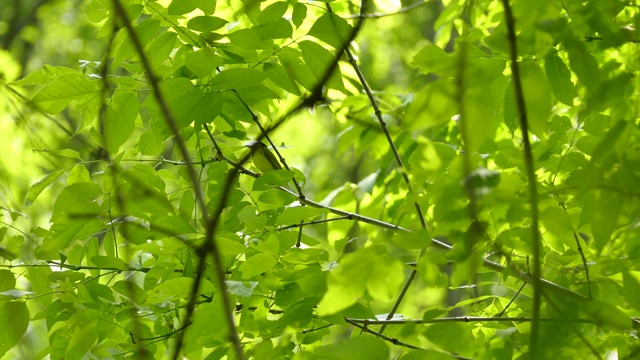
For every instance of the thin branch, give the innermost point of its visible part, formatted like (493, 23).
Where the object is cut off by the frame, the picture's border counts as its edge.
(512, 300)
(466, 319)
(383, 125)
(209, 240)
(396, 154)
(210, 245)
(395, 341)
(488, 264)
(531, 180)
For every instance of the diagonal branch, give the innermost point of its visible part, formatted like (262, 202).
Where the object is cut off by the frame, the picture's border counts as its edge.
(210, 246)
(209, 240)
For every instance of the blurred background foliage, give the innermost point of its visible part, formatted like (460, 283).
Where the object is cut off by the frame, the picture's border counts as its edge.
(34, 33)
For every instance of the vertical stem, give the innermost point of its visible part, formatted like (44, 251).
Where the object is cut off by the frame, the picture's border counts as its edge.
(534, 352)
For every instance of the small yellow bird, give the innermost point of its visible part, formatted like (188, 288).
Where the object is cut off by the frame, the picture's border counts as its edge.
(263, 159)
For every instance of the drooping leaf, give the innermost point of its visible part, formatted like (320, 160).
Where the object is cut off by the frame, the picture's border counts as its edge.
(319, 59)
(65, 88)
(559, 78)
(38, 187)
(120, 119)
(14, 320)
(331, 29)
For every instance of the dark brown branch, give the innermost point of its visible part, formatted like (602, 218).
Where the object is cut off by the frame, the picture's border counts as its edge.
(531, 180)
(209, 239)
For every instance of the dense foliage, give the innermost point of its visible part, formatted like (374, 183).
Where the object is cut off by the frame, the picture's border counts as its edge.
(459, 179)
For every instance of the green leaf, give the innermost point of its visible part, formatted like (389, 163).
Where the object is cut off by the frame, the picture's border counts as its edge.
(202, 334)
(37, 188)
(537, 97)
(77, 200)
(359, 348)
(300, 313)
(256, 265)
(559, 78)
(279, 76)
(631, 288)
(44, 76)
(188, 103)
(427, 355)
(273, 12)
(276, 197)
(451, 337)
(131, 290)
(14, 320)
(230, 247)
(104, 262)
(433, 105)
(370, 269)
(582, 62)
(203, 62)
(150, 143)
(293, 215)
(158, 51)
(206, 23)
(290, 60)
(175, 289)
(257, 92)
(299, 14)
(7, 280)
(145, 32)
(558, 225)
(319, 59)
(241, 288)
(608, 315)
(120, 119)
(55, 96)
(82, 340)
(179, 7)
(249, 39)
(279, 29)
(272, 178)
(331, 29)
(237, 78)
(608, 143)
(602, 212)
(432, 59)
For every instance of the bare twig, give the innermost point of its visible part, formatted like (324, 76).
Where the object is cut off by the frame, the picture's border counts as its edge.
(395, 341)
(511, 301)
(466, 319)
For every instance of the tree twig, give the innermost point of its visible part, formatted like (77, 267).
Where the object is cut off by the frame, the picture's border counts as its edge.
(531, 180)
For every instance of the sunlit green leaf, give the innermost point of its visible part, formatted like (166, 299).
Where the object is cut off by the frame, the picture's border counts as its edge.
(14, 320)
(119, 119)
(331, 29)
(64, 89)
